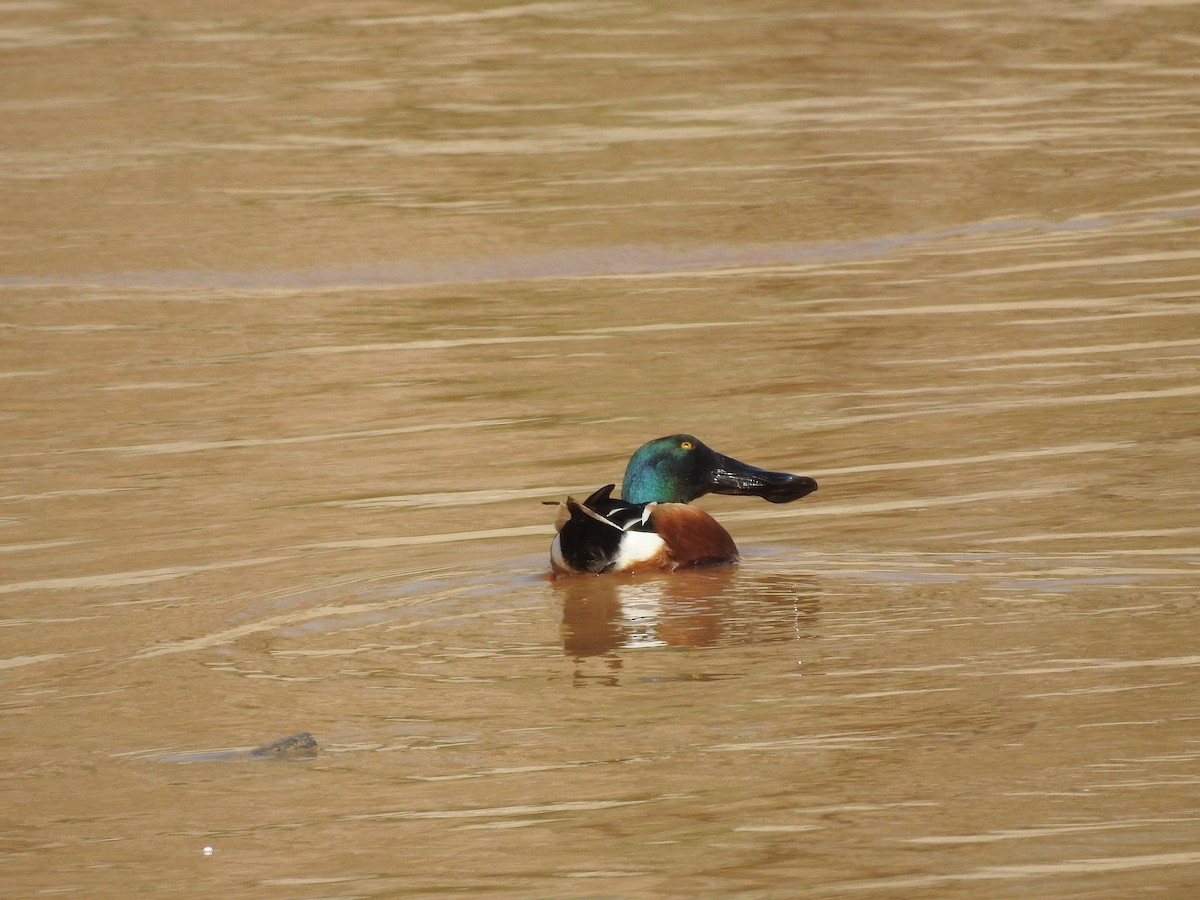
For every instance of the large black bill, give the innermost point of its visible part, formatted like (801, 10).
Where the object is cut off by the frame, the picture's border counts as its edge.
(732, 477)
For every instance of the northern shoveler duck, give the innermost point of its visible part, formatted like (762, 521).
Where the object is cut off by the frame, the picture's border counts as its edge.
(651, 526)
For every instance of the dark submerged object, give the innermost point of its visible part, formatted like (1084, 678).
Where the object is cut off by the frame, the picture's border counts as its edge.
(301, 745)
(294, 746)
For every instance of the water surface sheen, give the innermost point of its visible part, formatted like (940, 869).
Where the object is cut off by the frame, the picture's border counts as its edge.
(306, 311)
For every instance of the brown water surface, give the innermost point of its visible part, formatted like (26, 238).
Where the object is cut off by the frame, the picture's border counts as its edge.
(306, 310)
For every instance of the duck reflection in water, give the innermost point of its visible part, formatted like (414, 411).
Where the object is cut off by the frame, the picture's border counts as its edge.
(607, 618)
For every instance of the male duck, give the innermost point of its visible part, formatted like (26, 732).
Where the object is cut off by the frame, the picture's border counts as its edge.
(652, 527)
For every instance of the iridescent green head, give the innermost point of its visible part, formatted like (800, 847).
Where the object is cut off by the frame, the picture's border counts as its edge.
(680, 468)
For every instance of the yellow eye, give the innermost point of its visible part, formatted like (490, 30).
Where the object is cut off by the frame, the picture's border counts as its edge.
(686, 445)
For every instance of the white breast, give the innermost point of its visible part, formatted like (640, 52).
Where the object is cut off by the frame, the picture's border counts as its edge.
(637, 547)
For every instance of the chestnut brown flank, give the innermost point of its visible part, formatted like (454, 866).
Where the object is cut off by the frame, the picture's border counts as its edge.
(692, 536)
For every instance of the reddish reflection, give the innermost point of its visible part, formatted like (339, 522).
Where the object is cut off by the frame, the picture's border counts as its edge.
(606, 614)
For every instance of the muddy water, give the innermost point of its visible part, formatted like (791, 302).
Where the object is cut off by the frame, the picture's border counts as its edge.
(307, 310)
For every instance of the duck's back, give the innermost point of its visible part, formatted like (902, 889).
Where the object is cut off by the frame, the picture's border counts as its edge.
(606, 535)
